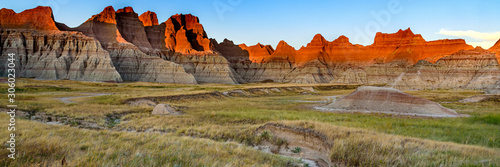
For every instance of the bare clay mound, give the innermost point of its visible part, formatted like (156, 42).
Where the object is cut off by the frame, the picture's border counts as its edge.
(388, 100)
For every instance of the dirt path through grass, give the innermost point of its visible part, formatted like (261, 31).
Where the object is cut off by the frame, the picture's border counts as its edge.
(68, 100)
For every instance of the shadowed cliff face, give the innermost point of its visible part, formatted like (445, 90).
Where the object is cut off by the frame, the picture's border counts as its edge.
(132, 29)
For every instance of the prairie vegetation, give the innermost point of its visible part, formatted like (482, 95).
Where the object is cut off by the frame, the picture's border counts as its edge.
(222, 131)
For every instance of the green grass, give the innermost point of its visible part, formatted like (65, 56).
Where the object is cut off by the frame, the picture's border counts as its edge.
(230, 119)
(466, 130)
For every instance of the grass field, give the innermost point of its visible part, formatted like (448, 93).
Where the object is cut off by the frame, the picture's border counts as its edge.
(225, 128)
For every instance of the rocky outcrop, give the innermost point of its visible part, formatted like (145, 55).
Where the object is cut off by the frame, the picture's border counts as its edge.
(39, 18)
(44, 52)
(142, 50)
(164, 109)
(132, 29)
(184, 34)
(191, 48)
(410, 47)
(493, 89)
(124, 37)
(56, 55)
(155, 33)
(233, 53)
(101, 26)
(135, 65)
(470, 69)
(179, 51)
(496, 49)
(210, 68)
(258, 53)
(149, 19)
(402, 46)
(338, 61)
(388, 100)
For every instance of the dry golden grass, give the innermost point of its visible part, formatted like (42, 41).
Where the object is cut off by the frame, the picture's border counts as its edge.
(39, 144)
(472, 141)
(356, 147)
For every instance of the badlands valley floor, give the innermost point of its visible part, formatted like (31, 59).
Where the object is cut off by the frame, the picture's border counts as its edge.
(73, 123)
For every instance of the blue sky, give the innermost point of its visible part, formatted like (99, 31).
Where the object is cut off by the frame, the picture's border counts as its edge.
(296, 22)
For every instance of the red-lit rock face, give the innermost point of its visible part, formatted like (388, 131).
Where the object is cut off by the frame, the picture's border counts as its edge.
(185, 34)
(149, 18)
(39, 18)
(412, 48)
(258, 53)
(496, 49)
(106, 16)
(401, 46)
(283, 52)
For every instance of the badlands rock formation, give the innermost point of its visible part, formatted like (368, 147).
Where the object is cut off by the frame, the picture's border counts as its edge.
(39, 18)
(338, 61)
(44, 52)
(496, 49)
(470, 69)
(57, 55)
(185, 36)
(178, 50)
(388, 100)
(149, 18)
(124, 37)
(400, 46)
(182, 39)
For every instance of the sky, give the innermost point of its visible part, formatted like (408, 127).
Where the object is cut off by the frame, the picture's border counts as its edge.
(297, 21)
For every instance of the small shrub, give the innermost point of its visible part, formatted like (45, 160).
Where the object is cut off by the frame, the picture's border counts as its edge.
(296, 150)
(265, 135)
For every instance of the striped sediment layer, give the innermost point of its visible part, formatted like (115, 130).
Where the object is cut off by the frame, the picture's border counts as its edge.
(56, 55)
(388, 100)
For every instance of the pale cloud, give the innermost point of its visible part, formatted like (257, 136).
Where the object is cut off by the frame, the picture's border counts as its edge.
(483, 44)
(485, 40)
(493, 36)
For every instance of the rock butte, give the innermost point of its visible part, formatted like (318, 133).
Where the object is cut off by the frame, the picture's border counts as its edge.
(57, 55)
(149, 18)
(184, 34)
(39, 18)
(403, 45)
(178, 50)
(388, 100)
